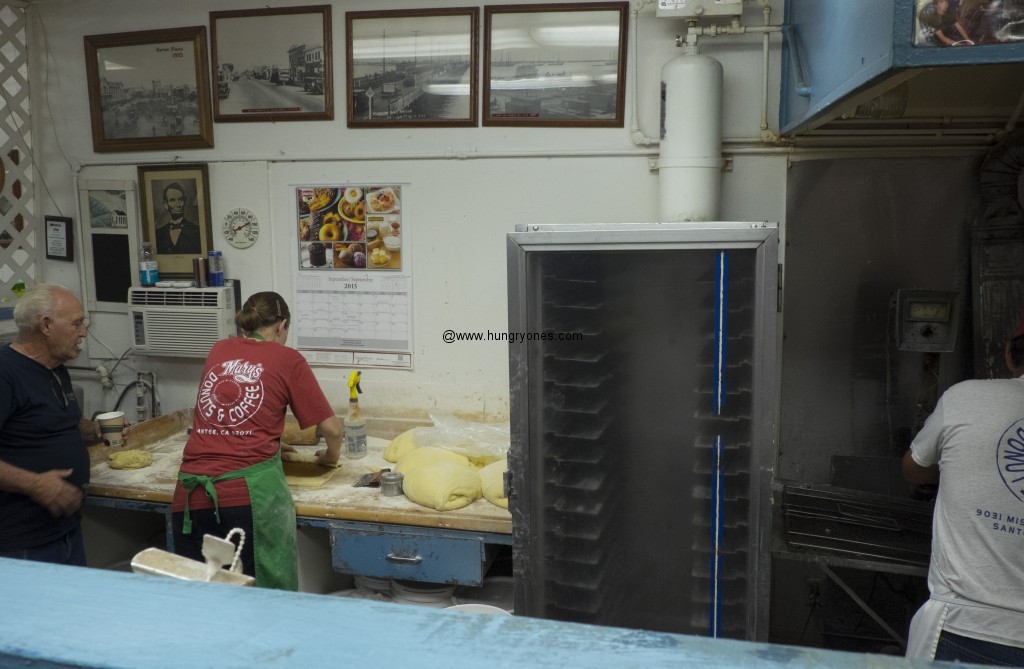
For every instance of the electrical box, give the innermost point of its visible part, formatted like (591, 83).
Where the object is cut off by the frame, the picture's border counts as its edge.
(180, 323)
(926, 320)
(699, 8)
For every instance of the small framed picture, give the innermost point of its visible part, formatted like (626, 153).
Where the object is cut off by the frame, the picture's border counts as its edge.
(149, 90)
(175, 203)
(272, 64)
(558, 65)
(59, 240)
(412, 68)
(966, 22)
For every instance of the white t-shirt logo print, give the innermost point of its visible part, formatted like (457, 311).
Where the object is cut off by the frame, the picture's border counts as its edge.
(1010, 458)
(231, 393)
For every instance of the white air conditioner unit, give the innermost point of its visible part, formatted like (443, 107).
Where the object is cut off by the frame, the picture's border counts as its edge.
(180, 323)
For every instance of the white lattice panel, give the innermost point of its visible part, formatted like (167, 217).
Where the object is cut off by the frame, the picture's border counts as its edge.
(17, 219)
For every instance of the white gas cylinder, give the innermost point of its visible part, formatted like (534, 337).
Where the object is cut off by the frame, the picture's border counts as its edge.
(690, 164)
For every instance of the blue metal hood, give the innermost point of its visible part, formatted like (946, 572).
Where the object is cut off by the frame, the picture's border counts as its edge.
(839, 56)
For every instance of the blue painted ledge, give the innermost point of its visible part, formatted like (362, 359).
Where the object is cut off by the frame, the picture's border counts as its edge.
(53, 616)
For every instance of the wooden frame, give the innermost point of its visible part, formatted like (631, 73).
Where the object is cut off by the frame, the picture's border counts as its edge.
(543, 68)
(167, 190)
(60, 242)
(434, 64)
(149, 90)
(272, 64)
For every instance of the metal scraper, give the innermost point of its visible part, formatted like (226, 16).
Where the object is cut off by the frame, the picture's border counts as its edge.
(371, 480)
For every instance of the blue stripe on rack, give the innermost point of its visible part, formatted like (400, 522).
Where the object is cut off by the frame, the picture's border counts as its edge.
(717, 494)
(721, 305)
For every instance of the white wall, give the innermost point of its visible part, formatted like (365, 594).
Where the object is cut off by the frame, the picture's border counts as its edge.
(457, 210)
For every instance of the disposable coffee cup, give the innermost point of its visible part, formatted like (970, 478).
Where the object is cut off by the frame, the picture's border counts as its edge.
(112, 427)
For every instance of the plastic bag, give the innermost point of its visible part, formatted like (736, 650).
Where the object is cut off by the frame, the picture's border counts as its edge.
(486, 441)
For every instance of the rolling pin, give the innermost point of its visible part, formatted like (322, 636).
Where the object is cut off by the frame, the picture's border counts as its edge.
(296, 436)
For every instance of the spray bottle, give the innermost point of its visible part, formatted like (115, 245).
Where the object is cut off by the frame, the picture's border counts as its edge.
(355, 424)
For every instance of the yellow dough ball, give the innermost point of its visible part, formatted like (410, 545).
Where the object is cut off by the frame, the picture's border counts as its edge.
(492, 483)
(130, 459)
(428, 455)
(444, 486)
(400, 446)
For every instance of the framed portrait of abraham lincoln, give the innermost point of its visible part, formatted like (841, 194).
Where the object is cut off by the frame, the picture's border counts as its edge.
(175, 203)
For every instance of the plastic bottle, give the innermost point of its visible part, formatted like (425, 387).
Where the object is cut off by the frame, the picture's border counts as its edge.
(355, 424)
(148, 273)
(216, 261)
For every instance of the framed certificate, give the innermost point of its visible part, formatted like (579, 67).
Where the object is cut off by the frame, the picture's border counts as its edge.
(59, 241)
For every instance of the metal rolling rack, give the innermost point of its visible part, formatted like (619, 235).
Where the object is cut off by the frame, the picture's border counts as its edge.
(639, 471)
(840, 527)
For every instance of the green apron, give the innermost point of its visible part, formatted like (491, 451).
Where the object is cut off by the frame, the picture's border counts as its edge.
(273, 519)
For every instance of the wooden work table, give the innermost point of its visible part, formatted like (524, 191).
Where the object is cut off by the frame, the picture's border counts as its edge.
(372, 534)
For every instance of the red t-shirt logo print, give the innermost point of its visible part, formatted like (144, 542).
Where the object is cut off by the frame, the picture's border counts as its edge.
(232, 393)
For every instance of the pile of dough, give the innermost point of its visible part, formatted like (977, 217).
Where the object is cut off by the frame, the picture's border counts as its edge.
(429, 455)
(492, 483)
(442, 485)
(130, 459)
(400, 446)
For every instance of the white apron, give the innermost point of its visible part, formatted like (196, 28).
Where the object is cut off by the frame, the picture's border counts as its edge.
(925, 628)
(927, 623)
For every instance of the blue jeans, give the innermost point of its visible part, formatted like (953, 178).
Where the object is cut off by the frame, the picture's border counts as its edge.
(69, 549)
(956, 648)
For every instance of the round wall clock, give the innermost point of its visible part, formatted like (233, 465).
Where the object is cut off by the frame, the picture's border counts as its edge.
(241, 228)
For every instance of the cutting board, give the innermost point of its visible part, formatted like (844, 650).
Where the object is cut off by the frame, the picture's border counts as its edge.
(301, 470)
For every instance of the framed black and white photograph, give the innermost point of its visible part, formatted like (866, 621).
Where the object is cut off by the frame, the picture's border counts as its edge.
(149, 90)
(412, 68)
(175, 202)
(557, 65)
(272, 64)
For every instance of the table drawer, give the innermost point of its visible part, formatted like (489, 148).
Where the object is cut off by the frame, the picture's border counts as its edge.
(415, 554)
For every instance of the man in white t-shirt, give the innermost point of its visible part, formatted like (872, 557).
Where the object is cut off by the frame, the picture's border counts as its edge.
(975, 437)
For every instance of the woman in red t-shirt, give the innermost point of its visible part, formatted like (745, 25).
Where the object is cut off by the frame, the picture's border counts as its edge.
(231, 473)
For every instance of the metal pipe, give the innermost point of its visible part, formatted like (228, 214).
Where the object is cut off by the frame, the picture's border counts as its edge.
(154, 410)
(766, 133)
(638, 136)
(139, 382)
(802, 88)
(140, 400)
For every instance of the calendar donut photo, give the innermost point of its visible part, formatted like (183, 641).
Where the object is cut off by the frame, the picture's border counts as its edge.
(349, 227)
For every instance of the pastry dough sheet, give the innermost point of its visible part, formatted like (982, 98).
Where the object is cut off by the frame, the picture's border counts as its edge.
(308, 474)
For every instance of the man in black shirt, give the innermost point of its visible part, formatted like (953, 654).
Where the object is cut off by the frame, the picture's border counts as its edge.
(44, 462)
